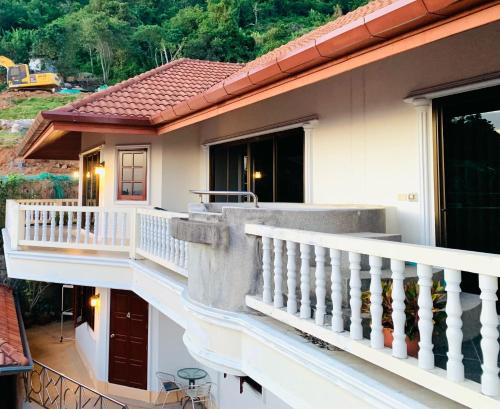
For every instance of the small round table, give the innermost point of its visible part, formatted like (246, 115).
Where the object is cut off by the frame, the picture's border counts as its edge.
(191, 374)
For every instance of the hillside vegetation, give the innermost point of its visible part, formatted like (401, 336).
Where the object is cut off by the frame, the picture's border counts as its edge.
(116, 39)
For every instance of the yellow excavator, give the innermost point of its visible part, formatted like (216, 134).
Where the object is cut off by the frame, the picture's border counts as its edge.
(20, 77)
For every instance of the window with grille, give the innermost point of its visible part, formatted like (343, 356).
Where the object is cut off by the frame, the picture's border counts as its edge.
(132, 178)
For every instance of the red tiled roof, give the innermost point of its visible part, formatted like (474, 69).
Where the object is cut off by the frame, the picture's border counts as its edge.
(154, 91)
(11, 346)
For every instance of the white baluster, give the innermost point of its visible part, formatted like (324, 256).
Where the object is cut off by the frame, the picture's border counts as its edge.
(425, 316)
(320, 253)
(123, 229)
(70, 226)
(167, 241)
(171, 256)
(356, 330)
(95, 239)
(27, 224)
(163, 237)
(44, 225)
(305, 286)
(149, 234)
(37, 222)
(291, 268)
(177, 253)
(52, 225)
(454, 335)
(61, 226)
(337, 319)
(267, 296)
(490, 384)
(78, 226)
(376, 310)
(399, 349)
(278, 273)
(114, 228)
(104, 227)
(181, 253)
(158, 236)
(87, 227)
(186, 254)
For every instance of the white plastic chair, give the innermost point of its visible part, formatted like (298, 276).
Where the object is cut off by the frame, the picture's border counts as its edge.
(169, 384)
(198, 394)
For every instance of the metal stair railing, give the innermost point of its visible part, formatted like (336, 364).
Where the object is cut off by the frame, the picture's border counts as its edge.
(53, 390)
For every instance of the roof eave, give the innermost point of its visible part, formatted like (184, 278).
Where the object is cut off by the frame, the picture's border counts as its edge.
(375, 28)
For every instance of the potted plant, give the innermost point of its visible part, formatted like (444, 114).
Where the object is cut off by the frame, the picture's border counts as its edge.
(411, 289)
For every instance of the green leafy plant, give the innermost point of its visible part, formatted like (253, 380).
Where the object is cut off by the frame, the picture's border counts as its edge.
(411, 290)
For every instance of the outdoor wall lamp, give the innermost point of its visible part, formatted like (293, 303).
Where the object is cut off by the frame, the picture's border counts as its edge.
(94, 300)
(257, 175)
(76, 174)
(99, 169)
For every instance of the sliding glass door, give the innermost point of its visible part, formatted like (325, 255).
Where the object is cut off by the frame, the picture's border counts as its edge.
(271, 166)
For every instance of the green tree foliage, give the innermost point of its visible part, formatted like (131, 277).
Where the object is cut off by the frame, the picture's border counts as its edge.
(115, 39)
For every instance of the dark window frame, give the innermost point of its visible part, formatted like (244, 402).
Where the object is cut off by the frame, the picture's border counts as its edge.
(250, 181)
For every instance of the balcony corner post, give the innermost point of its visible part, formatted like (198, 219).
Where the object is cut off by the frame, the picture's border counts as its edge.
(18, 225)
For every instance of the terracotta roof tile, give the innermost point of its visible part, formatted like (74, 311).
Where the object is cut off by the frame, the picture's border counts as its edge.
(11, 346)
(154, 91)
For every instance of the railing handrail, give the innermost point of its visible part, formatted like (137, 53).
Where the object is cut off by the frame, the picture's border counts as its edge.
(463, 260)
(48, 208)
(202, 193)
(166, 214)
(79, 384)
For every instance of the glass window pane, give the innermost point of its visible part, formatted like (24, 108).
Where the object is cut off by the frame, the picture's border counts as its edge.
(137, 189)
(126, 189)
(138, 174)
(139, 159)
(127, 159)
(127, 174)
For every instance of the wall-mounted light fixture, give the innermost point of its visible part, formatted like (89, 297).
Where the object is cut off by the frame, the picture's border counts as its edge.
(88, 175)
(94, 300)
(257, 174)
(76, 174)
(99, 169)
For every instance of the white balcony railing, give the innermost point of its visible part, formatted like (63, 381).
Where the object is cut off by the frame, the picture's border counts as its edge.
(63, 224)
(285, 249)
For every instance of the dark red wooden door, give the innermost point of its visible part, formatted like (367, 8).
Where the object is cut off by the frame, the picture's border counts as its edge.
(128, 346)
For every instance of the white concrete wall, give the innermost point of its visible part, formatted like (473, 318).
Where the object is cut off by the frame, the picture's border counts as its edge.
(92, 345)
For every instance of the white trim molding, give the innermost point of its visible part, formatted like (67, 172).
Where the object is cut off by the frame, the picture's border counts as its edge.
(423, 107)
(308, 160)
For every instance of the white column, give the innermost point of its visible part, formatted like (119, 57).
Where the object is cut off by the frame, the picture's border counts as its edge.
(356, 330)
(490, 384)
(425, 197)
(308, 162)
(454, 335)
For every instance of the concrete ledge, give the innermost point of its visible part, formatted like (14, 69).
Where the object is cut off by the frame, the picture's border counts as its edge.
(201, 232)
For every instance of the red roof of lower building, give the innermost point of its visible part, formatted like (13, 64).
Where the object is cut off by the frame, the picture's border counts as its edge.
(11, 345)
